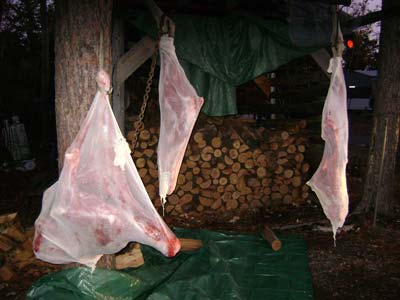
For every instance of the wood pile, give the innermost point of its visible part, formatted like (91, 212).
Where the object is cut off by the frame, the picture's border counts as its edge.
(230, 165)
(16, 250)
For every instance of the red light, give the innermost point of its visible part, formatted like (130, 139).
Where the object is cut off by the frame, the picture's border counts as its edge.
(350, 44)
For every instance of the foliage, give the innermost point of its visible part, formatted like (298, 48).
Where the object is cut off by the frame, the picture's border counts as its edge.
(365, 52)
(20, 55)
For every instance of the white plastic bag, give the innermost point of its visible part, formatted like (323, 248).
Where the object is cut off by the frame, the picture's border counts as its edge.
(329, 181)
(179, 108)
(99, 203)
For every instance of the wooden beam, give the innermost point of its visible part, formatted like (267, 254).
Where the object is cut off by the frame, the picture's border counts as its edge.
(264, 84)
(134, 58)
(118, 96)
(155, 10)
(322, 57)
(168, 24)
(372, 17)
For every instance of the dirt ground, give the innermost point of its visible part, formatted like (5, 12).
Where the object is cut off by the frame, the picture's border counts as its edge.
(364, 264)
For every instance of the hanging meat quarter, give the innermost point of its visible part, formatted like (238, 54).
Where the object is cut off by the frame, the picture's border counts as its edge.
(179, 106)
(99, 203)
(329, 181)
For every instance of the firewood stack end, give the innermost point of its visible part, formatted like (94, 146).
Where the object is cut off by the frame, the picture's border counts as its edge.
(16, 251)
(230, 167)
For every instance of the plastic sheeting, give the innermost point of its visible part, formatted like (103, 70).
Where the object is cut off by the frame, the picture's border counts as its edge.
(220, 53)
(310, 23)
(99, 203)
(179, 108)
(329, 181)
(229, 266)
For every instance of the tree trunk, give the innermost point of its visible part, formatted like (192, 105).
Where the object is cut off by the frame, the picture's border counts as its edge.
(383, 148)
(82, 46)
(44, 70)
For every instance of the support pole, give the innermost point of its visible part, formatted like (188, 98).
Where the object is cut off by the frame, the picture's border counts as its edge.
(118, 96)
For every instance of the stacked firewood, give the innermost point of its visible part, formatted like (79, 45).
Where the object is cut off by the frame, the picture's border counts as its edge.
(16, 251)
(230, 165)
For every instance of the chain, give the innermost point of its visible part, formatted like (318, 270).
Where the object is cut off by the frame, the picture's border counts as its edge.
(139, 124)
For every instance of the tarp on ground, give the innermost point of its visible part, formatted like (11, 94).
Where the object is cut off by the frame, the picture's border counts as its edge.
(220, 53)
(228, 266)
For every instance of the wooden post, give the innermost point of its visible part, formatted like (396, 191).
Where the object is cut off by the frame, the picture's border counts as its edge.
(118, 96)
(322, 57)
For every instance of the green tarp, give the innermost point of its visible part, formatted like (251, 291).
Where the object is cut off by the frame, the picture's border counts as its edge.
(228, 266)
(220, 53)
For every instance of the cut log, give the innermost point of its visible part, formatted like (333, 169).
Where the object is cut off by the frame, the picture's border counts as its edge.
(271, 238)
(173, 199)
(143, 145)
(236, 144)
(299, 157)
(223, 181)
(291, 149)
(181, 179)
(7, 218)
(243, 148)
(15, 232)
(221, 166)
(133, 258)
(236, 167)
(279, 169)
(191, 164)
(249, 164)
(151, 190)
(301, 148)
(144, 135)
(282, 161)
(6, 244)
(190, 244)
(220, 189)
(205, 165)
(217, 204)
(216, 142)
(256, 204)
(153, 173)
(142, 172)
(243, 157)
(228, 160)
(148, 152)
(215, 173)
(305, 167)
(198, 137)
(196, 170)
(6, 273)
(140, 163)
(284, 135)
(232, 204)
(206, 184)
(233, 153)
(288, 173)
(169, 208)
(206, 201)
(296, 181)
(146, 179)
(233, 178)
(217, 153)
(194, 157)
